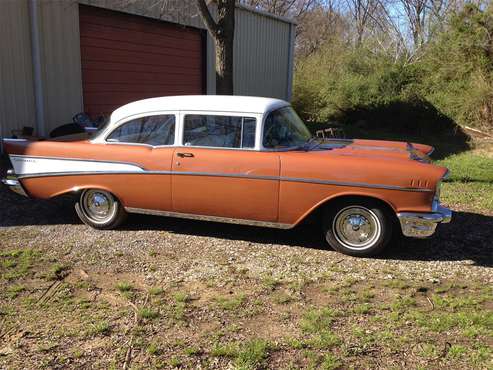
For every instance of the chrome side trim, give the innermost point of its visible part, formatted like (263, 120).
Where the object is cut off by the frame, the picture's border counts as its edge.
(84, 173)
(75, 159)
(228, 220)
(234, 175)
(422, 225)
(354, 184)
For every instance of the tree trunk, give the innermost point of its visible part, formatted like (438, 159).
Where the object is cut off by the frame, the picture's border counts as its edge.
(222, 31)
(224, 42)
(224, 66)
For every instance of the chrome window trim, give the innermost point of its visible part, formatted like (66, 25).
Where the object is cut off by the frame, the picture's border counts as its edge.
(103, 136)
(238, 221)
(262, 148)
(258, 121)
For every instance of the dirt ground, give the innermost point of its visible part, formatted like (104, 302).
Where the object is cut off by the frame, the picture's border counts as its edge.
(169, 293)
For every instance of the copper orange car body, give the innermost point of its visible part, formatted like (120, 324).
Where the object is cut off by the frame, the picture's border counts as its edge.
(276, 187)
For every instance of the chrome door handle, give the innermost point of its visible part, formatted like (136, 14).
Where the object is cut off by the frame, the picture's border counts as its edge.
(183, 155)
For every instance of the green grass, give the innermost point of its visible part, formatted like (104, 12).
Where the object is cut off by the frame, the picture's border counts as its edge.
(14, 290)
(155, 291)
(471, 181)
(124, 286)
(230, 303)
(100, 328)
(469, 167)
(148, 313)
(317, 320)
(252, 354)
(17, 263)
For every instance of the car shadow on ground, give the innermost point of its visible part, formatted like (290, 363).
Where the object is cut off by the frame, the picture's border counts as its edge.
(468, 237)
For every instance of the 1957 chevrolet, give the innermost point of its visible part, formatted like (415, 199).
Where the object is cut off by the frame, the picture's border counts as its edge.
(236, 159)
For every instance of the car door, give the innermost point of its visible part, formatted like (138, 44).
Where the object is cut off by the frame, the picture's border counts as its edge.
(148, 141)
(218, 171)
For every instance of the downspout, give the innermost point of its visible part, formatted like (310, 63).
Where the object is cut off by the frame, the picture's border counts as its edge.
(289, 87)
(37, 73)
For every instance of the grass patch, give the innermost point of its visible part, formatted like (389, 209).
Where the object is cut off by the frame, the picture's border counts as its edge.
(14, 290)
(124, 286)
(153, 349)
(192, 351)
(155, 290)
(362, 309)
(147, 313)
(100, 328)
(181, 297)
(270, 282)
(317, 320)
(229, 350)
(230, 303)
(468, 167)
(57, 272)
(253, 354)
(18, 263)
(471, 181)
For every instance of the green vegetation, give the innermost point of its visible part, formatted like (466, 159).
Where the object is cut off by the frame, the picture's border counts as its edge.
(100, 328)
(252, 354)
(230, 303)
(448, 81)
(471, 181)
(124, 286)
(148, 313)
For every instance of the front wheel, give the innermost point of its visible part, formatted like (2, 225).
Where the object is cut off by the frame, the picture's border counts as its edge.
(100, 209)
(358, 228)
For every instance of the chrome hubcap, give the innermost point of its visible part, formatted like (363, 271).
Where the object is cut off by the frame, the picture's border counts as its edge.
(98, 205)
(356, 227)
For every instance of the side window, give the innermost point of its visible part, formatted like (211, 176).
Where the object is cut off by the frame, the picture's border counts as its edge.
(151, 130)
(219, 131)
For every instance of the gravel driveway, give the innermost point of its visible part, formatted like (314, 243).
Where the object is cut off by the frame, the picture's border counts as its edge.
(197, 250)
(170, 293)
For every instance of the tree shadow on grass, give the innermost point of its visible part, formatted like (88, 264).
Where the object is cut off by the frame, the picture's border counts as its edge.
(415, 121)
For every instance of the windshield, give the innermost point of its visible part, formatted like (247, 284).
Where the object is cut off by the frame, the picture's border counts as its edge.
(284, 129)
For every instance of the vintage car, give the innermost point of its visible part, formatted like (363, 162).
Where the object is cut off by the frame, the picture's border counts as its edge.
(235, 159)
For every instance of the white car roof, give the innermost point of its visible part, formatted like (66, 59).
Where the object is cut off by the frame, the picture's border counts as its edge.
(221, 103)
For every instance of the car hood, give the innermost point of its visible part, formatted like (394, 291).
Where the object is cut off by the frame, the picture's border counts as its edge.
(380, 148)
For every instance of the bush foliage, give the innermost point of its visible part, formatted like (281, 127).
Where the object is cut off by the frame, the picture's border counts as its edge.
(448, 82)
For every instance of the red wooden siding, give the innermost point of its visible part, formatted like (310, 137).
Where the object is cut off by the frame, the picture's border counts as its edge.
(127, 58)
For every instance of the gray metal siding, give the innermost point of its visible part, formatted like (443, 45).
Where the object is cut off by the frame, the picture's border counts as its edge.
(16, 83)
(261, 55)
(60, 61)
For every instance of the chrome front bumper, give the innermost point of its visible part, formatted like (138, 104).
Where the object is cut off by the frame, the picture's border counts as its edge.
(13, 183)
(422, 225)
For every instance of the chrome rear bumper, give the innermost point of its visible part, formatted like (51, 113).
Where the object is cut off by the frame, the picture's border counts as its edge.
(422, 225)
(13, 183)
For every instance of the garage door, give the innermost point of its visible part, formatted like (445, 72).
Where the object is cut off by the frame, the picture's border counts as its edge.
(127, 58)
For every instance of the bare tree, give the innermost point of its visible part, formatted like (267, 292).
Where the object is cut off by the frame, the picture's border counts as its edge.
(318, 26)
(285, 8)
(363, 13)
(222, 31)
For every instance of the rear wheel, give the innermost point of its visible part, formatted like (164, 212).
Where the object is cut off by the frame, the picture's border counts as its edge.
(358, 228)
(100, 209)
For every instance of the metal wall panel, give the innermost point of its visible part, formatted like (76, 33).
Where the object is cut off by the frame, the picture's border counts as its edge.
(60, 61)
(16, 83)
(261, 55)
